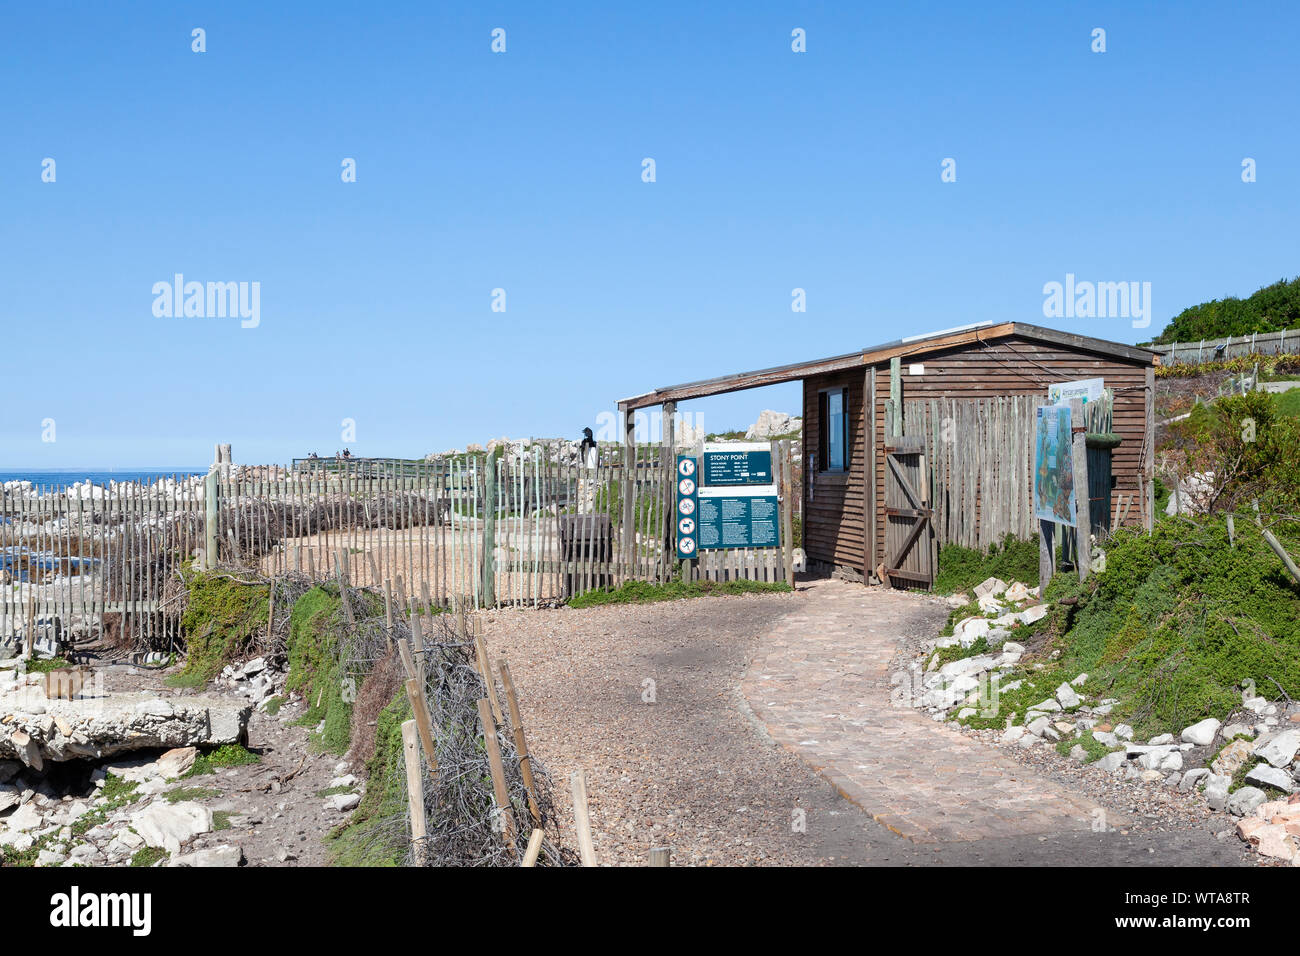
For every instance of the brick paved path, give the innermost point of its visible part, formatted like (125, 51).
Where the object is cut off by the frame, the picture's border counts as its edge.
(821, 684)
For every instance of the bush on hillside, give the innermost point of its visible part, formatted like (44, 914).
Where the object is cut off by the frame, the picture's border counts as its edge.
(1271, 309)
(1246, 449)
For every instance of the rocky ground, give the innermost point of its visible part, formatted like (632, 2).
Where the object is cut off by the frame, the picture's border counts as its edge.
(145, 809)
(1173, 781)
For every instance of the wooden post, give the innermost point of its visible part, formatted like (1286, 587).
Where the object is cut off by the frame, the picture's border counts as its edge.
(1082, 502)
(1046, 555)
(415, 791)
(667, 504)
(498, 770)
(582, 819)
(489, 531)
(1271, 540)
(1149, 451)
(534, 848)
(787, 511)
(1232, 533)
(629, 474)
(420, 708)
(896, 396)
(661, 856)
(485, 669)
(869, 475)
(343, 587)
(210, 520)
(521, 741)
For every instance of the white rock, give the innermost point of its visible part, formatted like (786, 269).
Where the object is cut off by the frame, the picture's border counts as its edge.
(1039, 726)
(1033, 614)
(1124, 732)
(1201, 734)
(1017, 592)
(1112, 761)
(1216, 790)
(347, 780)
(1066, 695)
(1245, 801)
(26, 817)
(1280, 749)
(990, 587)
(1272, 777)
(1012, 734)
(215, 856)
(157, 707)
(1161, 739)
(1192, 778)
(344, 801)
(168, 825)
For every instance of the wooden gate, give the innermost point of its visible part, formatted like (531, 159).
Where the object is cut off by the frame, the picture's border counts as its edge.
(909, 538)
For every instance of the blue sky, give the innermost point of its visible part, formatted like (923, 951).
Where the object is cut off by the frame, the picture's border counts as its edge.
(522, 171)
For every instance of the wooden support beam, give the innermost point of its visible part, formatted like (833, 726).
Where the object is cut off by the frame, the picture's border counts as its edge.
(1082, 504)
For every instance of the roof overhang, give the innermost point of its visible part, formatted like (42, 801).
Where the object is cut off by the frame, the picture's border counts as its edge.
(915, 345)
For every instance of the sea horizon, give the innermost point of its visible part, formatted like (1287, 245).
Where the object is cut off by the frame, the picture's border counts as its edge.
(100, 476)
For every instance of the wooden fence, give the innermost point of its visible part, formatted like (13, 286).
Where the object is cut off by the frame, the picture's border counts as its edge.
(980, 456)
(479, 530)
(1232, 346)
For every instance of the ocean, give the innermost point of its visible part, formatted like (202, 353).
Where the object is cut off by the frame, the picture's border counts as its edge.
(96, 476)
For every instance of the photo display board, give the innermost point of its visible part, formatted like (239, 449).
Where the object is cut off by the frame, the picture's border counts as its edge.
(1054, 498)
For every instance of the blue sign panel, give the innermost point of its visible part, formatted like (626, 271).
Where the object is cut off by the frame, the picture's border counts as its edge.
(731, 520)
(732, 465)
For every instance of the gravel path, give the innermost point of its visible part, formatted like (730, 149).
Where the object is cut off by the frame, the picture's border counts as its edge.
(683, 762)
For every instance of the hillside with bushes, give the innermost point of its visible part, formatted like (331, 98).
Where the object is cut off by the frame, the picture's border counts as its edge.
(1271, 309)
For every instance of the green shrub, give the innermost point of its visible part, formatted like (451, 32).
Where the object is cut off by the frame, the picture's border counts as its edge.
(962, 568)
(222, 617)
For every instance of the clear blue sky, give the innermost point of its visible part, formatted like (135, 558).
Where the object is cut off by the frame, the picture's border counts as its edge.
(522, 171)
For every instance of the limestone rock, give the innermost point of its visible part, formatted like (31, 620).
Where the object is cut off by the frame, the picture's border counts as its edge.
(168, 825)
(1271, 777)
(1216, 790)
(1280, 749)
(344, 801)
(106, 726)
(1112, 761)
(216, 856)
(1245, 801)
(1067, 696)
(1201, 734)
(1232, 757)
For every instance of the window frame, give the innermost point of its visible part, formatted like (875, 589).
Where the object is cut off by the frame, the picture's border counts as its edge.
(823, 431)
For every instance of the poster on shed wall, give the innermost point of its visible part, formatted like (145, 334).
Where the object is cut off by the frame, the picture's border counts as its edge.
(1054, 498)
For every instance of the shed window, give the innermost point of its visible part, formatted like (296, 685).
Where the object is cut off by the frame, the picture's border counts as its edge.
(833, 429)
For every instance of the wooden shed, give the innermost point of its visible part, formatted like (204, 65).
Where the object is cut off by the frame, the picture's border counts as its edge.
(857, 409)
